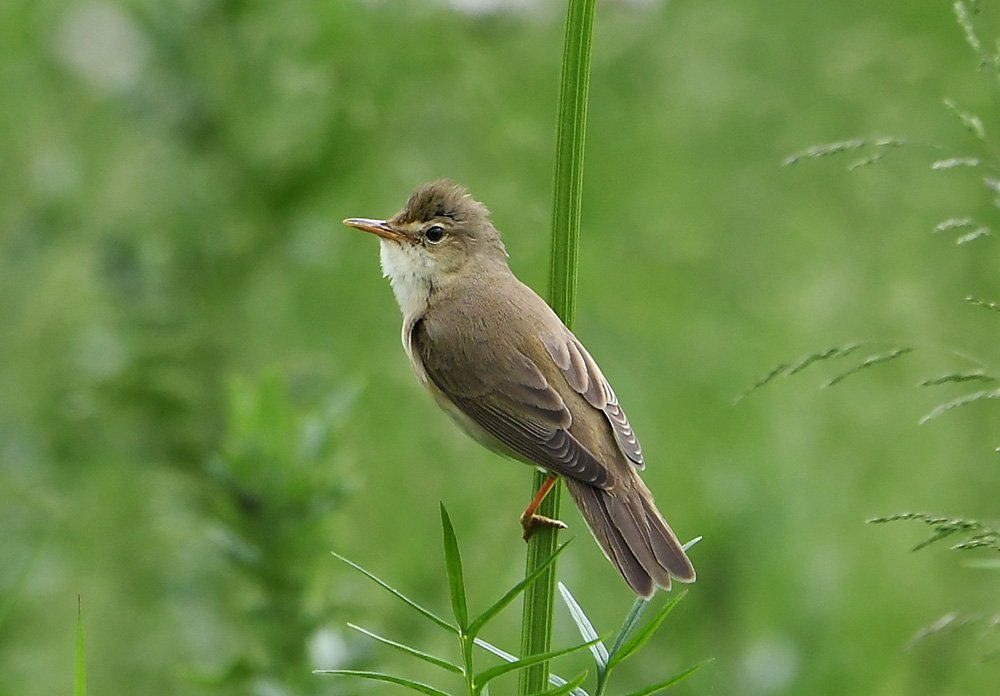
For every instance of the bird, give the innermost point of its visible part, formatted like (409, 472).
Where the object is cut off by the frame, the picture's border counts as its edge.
(498, 360)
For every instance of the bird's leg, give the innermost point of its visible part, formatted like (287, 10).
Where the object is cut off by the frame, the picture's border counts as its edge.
(529, 520)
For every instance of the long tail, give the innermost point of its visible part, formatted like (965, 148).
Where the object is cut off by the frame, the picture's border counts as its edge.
(633, 535)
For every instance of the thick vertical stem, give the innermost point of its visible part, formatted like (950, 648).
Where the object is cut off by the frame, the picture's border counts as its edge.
(539, 599)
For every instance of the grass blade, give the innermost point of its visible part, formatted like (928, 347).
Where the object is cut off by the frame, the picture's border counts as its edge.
(378, 676)
(640, 638)
(456, 580)
(512, 594)
(586, 628)
(80, 668)
(409, 651)
(425, 612)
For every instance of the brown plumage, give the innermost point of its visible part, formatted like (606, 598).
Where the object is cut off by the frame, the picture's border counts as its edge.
(502, 364)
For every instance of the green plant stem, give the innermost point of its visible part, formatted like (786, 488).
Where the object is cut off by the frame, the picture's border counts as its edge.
(468, 642)
(539, 599)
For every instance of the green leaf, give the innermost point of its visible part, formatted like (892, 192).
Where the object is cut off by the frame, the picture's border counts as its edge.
(631, 621)
(410, 651)
(586, 628)
(426, 612)
(691, 543)
(504, 655)
(564, 688)
(456, 581)
(670, 682)
(512, 594)
(378, 676)
(489, 675)
(80, 668)
(489, 647)
(640, 638)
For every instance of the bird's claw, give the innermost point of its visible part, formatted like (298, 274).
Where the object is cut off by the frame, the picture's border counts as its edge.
(529, 522)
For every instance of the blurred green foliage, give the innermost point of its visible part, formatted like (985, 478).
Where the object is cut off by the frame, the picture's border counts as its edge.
(184, 323)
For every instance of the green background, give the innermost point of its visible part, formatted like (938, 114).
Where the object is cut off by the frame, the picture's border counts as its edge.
(202, 391)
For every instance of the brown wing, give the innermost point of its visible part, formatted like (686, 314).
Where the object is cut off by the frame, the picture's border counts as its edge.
(583, 375)
(514, 402)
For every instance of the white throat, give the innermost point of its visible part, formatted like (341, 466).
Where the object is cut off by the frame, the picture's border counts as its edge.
(409, 269)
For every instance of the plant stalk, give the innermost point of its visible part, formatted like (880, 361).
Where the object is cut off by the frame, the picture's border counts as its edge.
(539, 599)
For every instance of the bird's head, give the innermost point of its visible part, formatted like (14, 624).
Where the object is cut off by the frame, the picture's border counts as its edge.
(437, 234)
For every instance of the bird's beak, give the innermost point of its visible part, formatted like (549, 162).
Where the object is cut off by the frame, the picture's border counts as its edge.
(379, 227)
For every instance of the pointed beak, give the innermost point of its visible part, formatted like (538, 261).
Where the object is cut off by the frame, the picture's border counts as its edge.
(379, 227)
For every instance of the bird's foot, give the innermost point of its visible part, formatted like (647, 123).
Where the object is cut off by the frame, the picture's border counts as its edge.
(529, 522)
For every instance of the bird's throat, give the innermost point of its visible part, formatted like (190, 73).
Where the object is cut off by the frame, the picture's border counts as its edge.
(410, 270)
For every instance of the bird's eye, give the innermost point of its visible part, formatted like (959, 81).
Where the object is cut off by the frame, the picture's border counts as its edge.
(434, 234)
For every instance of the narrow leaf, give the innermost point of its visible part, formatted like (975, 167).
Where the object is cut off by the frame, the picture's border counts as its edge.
(670, 682)
(489, 675)
(691, 543)
(646, 632)
(631, 621)
(456, 581)
(410, 651)
(512, 594)
(80, 668)
(504, 655)
(586, 628)
(378, 676)
(426, 612)
(489, 647)
(565, 687)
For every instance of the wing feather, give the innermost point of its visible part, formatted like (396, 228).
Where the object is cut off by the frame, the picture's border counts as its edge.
(583, 375)
(518, 407)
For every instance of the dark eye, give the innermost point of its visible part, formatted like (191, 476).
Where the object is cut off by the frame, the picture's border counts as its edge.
(434, 234)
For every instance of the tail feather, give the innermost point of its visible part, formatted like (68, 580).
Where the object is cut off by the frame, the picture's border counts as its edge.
(633, 535)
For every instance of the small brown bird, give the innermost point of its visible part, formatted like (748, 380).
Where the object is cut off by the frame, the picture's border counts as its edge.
(499, 361)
